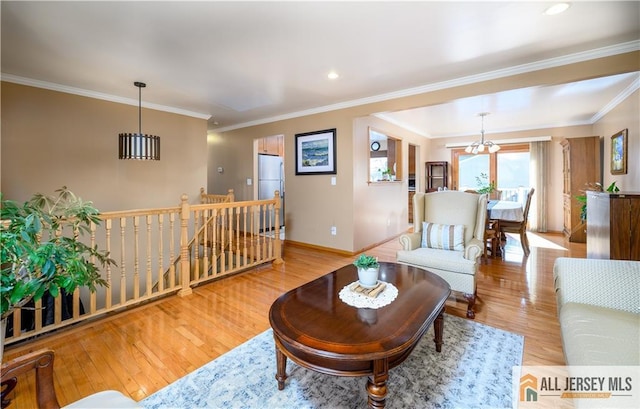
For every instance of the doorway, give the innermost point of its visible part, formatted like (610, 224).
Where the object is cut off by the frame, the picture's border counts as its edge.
(270, 173)
(412, 172)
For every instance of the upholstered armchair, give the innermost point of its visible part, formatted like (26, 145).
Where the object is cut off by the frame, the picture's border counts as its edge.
(448, 239)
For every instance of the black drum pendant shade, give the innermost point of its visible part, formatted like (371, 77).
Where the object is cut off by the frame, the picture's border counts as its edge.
(139, 146)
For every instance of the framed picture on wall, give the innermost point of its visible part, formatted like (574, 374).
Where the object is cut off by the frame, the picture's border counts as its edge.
(619, 153)
(316, 152)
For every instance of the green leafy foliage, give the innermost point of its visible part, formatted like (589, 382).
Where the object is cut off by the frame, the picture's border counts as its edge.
(613, 188)
(42, 249)
(582, 199)
(484, 186)
(365, 262)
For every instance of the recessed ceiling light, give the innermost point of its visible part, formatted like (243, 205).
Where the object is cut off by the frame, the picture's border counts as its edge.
(332, 75)
(556, 9)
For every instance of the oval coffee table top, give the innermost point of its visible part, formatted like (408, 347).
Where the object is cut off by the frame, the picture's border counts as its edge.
(313, 318)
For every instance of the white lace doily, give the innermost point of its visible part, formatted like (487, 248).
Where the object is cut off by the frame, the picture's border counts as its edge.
(358, 300)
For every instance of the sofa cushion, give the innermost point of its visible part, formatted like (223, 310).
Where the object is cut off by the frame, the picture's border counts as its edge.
(448, 260)
(605, 283)
(442, 236)
(594, 335)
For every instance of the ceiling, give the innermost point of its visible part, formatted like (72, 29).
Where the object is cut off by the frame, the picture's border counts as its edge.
(245, 63)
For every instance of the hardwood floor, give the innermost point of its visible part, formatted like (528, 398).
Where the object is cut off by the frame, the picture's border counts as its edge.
(143, 350)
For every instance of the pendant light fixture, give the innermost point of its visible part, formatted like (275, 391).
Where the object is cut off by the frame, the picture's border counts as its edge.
(138, 145)
(478, 146)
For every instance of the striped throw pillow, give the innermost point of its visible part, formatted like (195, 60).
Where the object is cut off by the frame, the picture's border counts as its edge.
(443, 236)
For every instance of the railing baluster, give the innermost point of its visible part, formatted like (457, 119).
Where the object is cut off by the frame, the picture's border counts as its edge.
(108, 290)
(149, 283)
(92, 295)
(205, 242)
(195, 269)
(223, 245)
(160, 253)
(136, 257)
(172, 251)
(185, 283)
(123, 276)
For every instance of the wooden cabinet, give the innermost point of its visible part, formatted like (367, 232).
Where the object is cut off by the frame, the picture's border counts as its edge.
(272, 145)
(580, 166)
(437, 175)
(613, 225)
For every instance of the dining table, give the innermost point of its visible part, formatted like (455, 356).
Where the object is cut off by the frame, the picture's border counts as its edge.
(505, 210)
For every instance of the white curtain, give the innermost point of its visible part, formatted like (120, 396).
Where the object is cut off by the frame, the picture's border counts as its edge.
(539, 176)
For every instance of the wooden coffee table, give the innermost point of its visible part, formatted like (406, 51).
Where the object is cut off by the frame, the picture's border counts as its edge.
(314, 328)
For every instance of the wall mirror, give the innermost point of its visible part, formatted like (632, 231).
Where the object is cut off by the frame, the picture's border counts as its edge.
(384, 157)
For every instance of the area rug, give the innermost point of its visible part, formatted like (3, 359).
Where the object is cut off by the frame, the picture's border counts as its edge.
(472, 371)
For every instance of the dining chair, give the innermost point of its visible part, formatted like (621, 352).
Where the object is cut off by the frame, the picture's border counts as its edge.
(509, 226)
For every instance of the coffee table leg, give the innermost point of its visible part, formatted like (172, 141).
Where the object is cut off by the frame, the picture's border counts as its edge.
(377, 384)
(281, 362)
(438, 327)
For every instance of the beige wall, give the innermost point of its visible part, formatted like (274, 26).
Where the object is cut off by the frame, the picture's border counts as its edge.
(626, 115)
(51, 139)
(312, 205)
(381, 209)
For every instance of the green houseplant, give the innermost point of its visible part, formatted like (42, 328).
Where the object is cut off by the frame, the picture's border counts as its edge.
(42, 251)
(582, 199)
(368, 268)
(484, 186)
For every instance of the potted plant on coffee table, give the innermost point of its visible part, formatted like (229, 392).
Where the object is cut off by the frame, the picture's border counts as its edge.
(42, 251)
(368, 269)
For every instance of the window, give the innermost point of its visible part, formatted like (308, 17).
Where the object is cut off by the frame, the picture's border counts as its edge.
(384, 157)
(508, 169)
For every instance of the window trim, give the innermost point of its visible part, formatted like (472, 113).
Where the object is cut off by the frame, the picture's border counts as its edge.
(493, 160)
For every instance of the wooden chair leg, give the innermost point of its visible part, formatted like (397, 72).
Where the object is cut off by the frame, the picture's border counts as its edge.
(525, 243)
(471, 301)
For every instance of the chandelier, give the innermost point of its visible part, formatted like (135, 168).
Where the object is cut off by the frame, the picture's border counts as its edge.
(478, 146)
(138, 145)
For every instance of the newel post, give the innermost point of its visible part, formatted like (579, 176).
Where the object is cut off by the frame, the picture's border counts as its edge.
(278, 243)
(231, 195)
(185, 269)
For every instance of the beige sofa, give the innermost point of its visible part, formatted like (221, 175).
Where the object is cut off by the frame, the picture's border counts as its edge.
(599, 310)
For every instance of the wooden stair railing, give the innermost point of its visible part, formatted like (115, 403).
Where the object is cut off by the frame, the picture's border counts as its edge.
(199, 236)
(159, 252)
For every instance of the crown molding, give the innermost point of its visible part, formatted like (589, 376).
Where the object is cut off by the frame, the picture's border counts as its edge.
(98, 95)
(633, 87)
(602, 52)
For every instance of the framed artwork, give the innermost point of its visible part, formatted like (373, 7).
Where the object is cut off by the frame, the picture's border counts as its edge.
(619, 153)
(316, 152)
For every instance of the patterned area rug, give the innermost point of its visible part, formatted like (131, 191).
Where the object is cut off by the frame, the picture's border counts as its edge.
(472, 371)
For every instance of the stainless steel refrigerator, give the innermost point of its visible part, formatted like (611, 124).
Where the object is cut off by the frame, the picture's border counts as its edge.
(270, 179)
